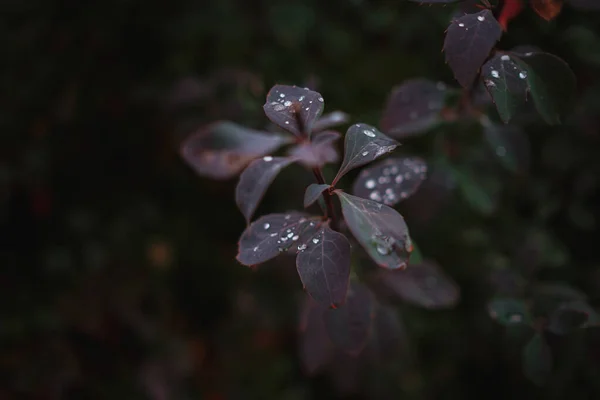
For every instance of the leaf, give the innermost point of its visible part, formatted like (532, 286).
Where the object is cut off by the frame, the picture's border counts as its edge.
(221, 150)
(473, 190)
(549, 296)
(510, 144)
(413, 107)
(506, 82)
(363, 144)
(330, 120)
(388, 333)
(585, 4)
(312, 193)
(391, 180)
(381, 230)
(510, 10)
(537, 360)
(509, 311)
(468, 43)
(324, 266)
(551, 84)
(569, 317)
(294, 109)
(319, 151)
(273, 234)
(315, 347)
(435, 1)
(547, 9)
(424, 285)
(255, 180)
(349, 326)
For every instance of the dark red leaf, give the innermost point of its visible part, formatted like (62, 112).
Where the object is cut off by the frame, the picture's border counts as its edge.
(312, 193)
(391, 181)
(293, 108)
(315, 346)
(413, 108)
(330, 120)
(255, 180)
(363, 144)
(381, 230)
(324, 266)
(547, 9)
(349, 326)
(468, 43)
(319, 151)
(223, 149)
(510, 10)
(273, 234)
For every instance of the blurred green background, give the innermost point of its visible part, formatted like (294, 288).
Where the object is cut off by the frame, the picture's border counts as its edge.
(118, 277)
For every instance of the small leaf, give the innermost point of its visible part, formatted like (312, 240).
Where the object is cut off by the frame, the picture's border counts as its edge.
(273, 234)
(223, 149)
(381, 230)
(468, 43)
(312, 193)
(324, 267)
(537, 360)
(349, 326)
(319, 151)
(547, 9)
(255, 180)
(569, 317)
(315, 347)
(509, 311)
(391, 181)
(330, 120)
(424, 285)
(363, 144)
(294, 109)
(506, 82)
(510, 144)
(413, 108)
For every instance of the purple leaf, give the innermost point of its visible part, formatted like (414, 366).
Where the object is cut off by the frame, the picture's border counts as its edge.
(388, 337)
(273, 234)
(363, 144)
(221, 150)
(315, 347)
(255, 180)
(349, 326)
(413, 108)
(381, 230)
(313, 191)
(293, 108)
(468, 43)
(319, 151)
(391, 181)
(330, 120)
(424, 285)
(324, 266)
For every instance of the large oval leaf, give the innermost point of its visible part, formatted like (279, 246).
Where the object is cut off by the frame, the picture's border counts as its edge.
(413, 108)
(391, 181)
(223, 149)
(293, 108)
(468, 43)
(363, 144)
(381, 230)
(255, 180)
(273, 234)
(319, 151)
(324, 266)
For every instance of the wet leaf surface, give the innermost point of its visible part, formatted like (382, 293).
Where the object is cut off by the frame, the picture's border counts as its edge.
(468, 43)
(324, 266)
(391, 181)
(537, 360)
(312, 193)
(293, 108)
(223, 149)
(319, 151)
(381, 230)
(330, 120)
(509, 311)
(255, 180)
(363, 144)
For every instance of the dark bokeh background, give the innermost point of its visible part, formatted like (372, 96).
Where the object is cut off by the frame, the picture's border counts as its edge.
(118, 278)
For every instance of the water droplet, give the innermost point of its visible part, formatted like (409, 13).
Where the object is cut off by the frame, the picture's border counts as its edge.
(287, 103)
(393, 170)
(461, 25)
(495, 74)
(278, 107)
(389, 191)
(505, 58)
(302, 247)
(399, 179)
(273, 234)
(481, 18)
(281, 95)
(383, 250)
(267, 158)
(295, 238)
(528, 54)
(290, 235)
(255, 249)
(315, 240)
(283, 238)
(369, 133)
(267, 225)
(383, 180)
(320, 99)
(375, 196)
(370, 184)
(288, 216)
(364, 153)
(522, 74)
(301, 98)
(287, 122)
(489, 83)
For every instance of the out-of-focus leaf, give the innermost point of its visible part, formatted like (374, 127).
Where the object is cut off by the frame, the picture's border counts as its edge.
(474, 191)
(319, 151)
(510, 10)
(272, 234)
(425, 285)
(435, 1)
(255, 180)
(312, 193)
(381, 230)
(585, 4)
(293, 108)
(413, 108)
(509, 311)
(547, 9)
(468, 43)
(537, 360)
(569, 317)
(323, 264)
(223, 149)
(315, 346)
(548, 296)
(510, 144)
(388, 337)
(391, 180)
(349, 326)
(363, 144)
(330, 120)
